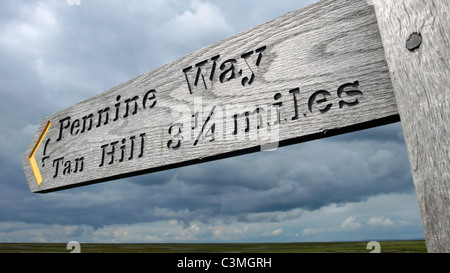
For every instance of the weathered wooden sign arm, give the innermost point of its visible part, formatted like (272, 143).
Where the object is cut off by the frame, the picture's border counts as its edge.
(416, 39)
(316, 72)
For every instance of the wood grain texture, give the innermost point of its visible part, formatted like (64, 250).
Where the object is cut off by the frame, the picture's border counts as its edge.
(421, 81)
(315, 72)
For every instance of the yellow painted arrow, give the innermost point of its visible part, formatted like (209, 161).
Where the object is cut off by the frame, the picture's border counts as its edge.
(34, 167)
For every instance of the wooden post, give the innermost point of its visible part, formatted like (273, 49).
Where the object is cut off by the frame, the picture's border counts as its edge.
(416, 39)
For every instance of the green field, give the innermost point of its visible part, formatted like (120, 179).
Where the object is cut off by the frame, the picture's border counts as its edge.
(416, 246)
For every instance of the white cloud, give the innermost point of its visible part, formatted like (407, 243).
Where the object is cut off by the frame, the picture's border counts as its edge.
(277, 231)
(204, 23)
(350, 224)
(320, 225)
(158, 231)
(33, 24)
(380, 221)
(30, 232)
(312, 231)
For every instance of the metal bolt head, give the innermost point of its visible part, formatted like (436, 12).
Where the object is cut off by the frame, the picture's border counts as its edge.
(414, 41)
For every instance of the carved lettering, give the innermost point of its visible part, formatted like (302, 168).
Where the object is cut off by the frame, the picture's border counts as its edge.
(242, 121)
(62, 127)
(131, 147)
(213, 68)
(66, 168)
(149, 96)
(210, 132)
(277, 105)
(349, 93)
(258, 111)
(85, 118)
(228, 70)
(245, 80)
(126, 150)
(175, 131)
(59, 163)
(201, 74)
(100, 112)
(127, 104)
(197, 75)
(117, 105)
(74, 127)
(79, 163)
(295, 92)
(318, 98)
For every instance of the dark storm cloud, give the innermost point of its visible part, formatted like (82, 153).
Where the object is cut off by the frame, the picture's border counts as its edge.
(307, 176)
(317, 174)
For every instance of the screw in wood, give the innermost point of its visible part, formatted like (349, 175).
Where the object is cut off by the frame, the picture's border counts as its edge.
(414, 41)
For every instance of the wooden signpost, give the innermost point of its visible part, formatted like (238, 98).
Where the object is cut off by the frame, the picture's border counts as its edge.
(416, 39)
(316, 72)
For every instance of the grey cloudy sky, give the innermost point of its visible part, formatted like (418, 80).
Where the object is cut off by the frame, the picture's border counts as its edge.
(356, 186)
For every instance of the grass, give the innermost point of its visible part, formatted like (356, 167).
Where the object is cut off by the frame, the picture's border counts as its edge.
(413, 246)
